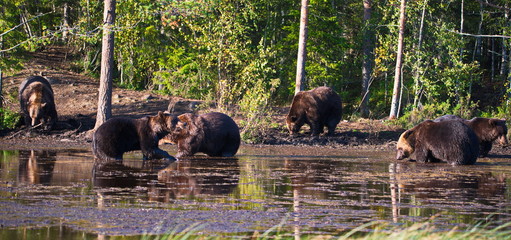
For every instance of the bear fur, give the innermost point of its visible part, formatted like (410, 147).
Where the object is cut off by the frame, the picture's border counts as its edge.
(119, 135)
(450, 141)
(37, 102)
(214, 134)
(487, 131)
(320, 107)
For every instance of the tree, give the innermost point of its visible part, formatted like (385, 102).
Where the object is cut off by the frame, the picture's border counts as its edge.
(302, 47)
(394, 108)
(107, 65)
(367, 58)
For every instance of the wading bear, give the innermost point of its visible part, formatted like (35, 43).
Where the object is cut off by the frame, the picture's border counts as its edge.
(119, 135)
(37, 102)
(450, 141)
(487, 131)
(319, 108)
(214, 134)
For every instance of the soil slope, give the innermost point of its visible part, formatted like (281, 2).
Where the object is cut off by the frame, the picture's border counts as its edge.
(76, 99)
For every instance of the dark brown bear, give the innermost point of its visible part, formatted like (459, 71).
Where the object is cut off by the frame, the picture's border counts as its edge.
(37, 102)
(487, 131)
(214, 134)
(119, 135)
(450, 141)
(320, 107)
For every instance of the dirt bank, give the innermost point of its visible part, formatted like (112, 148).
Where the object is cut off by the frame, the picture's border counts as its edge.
(76, 100)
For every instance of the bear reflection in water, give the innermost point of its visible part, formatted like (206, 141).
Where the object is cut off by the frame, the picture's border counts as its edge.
(36, 167)
(448, 184)
(185, 178)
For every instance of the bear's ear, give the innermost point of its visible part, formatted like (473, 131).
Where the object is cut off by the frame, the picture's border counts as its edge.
(185, 117)
(494, 122)
(407, 133)
(160, 114)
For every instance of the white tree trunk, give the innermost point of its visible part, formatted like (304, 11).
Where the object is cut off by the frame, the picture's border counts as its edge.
(302, 47)
(107, 62)
(394, 108)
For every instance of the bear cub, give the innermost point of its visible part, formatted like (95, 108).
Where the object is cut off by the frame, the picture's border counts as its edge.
(37, 102)
(487, 130)
(320, 107)
(450, 141)
(119, 135)
(214, 134)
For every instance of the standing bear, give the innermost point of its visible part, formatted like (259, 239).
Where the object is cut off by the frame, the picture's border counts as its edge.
(214, 134)
(37, 102)
(320, 107)
(487, 131)
(119, 135)
(450, 141)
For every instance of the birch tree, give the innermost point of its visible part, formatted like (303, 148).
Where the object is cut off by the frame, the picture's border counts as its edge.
(302, 47)
(394, 108)
(104, 111)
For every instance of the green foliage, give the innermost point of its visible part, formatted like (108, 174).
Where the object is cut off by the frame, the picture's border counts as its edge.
(464, 109)
(258, 93)
(206, 49)
(8, 119)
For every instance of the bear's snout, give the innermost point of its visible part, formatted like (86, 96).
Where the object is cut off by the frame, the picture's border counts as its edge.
(502, 140)
(400, 154)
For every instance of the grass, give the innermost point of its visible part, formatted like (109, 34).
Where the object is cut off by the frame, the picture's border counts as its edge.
(379, 231)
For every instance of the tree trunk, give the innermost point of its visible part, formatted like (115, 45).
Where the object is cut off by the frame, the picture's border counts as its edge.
(107, 62)
(418, 69)
(302, 47)
(367, 62)
(394, 108)
(1, 73)
(65, 24)
(505, 58)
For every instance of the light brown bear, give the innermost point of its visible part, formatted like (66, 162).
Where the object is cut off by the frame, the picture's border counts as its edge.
(450, 141)
(37, 102)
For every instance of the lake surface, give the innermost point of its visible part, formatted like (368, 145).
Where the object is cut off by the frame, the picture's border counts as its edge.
(303, 190)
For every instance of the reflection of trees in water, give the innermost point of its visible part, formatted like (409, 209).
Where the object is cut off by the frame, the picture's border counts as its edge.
(444, 186)
(186, 178)
(36, 166)
(191, 178)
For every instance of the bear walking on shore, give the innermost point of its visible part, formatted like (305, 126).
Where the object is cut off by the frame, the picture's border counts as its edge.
(119, 135)
(320, 107)
(214, 134)
(37, 102)
(450, 141)
(487, 131)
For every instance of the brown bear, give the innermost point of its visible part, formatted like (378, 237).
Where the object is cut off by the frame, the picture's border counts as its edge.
(119, 135)
(450, 141)
(318, 108)
(214, 134)
(37, 102)
(487, 130)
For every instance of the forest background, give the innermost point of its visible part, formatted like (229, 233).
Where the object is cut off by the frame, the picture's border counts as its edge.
(242, 54)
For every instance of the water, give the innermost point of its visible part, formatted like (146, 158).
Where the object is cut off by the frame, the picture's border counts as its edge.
(304, 190)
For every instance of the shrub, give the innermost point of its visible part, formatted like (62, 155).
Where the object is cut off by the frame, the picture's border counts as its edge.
(8, 119)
